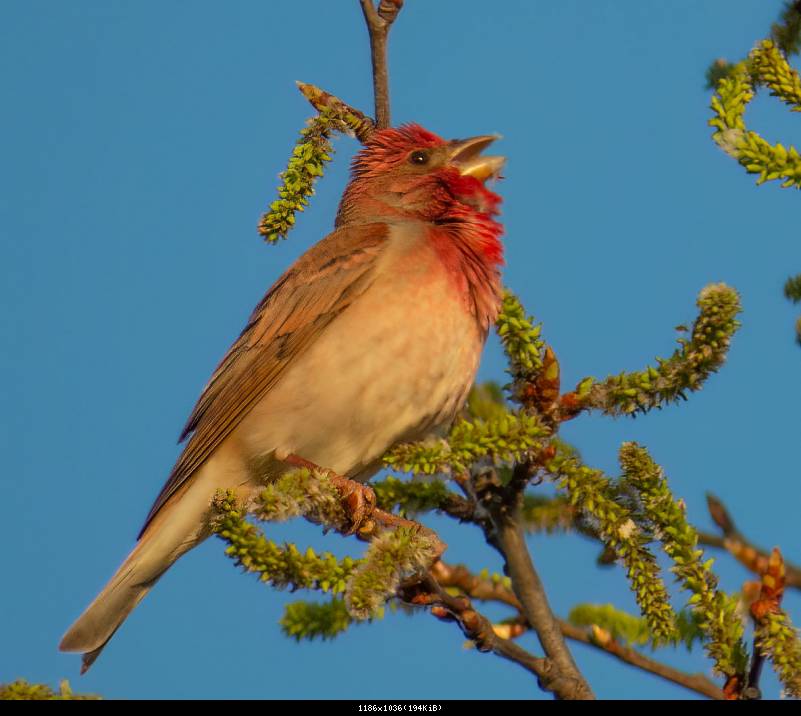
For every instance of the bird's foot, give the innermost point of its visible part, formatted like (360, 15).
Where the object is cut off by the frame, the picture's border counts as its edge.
(358, 500)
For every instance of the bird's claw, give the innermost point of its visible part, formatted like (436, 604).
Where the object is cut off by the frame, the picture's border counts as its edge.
(359, 502)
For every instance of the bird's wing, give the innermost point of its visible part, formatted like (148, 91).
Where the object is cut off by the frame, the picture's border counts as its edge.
(312, 293)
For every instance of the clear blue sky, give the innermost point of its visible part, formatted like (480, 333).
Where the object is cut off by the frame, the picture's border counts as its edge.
(140, 144)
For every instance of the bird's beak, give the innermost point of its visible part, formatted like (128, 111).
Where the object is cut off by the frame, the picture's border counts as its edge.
(465, 155)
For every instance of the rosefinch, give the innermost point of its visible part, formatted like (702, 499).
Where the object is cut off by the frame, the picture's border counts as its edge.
(371, 338)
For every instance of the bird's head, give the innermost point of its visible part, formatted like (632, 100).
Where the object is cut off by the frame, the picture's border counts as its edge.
(410, 172)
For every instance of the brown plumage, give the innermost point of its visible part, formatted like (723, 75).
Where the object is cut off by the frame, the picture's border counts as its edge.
(372, 337)
(300, 305)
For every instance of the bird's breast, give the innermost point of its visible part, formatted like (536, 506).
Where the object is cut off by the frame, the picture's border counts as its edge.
(396, 364)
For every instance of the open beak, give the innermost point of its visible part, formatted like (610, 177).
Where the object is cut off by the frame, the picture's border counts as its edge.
(465, 155)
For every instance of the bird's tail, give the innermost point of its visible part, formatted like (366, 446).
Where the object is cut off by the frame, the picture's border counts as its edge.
(180, 524)
(162, 543)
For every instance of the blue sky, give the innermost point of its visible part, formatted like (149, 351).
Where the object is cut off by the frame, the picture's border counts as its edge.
(141, 143)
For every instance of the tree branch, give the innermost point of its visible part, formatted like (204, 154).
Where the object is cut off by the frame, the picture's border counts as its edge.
(754, 558)
(695, 682)
(508, 538)
(358, 514)
(378, 21)
(740, 547)
(486, 590)
(326, 498)
(478, 629)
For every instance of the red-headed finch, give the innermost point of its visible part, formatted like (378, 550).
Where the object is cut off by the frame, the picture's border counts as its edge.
(371, 338)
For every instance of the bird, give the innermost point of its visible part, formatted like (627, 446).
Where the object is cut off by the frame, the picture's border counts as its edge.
(371, 338)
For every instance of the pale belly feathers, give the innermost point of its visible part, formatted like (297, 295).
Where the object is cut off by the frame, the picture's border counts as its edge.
(396, 365)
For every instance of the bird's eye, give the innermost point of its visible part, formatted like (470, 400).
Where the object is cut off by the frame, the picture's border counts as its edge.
(418, 158)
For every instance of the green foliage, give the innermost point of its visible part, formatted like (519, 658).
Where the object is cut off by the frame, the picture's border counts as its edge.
(505, 438)
(766, 66)
(787, 32)
(792, 289)
(686, 370)
(521, 340)
(592, 493)
(391, 557)
(411, 496)
(495, 579)
(548, 515)
(301, 493)
(312, 151)
(305, 166)
(770, 68)
(777, 639)
(21, 690)
(716, 611)
(734, 92)
(623, 626)
(720, 69)
(315, 620)
(486, 402)
(631, 629)
(281, 566)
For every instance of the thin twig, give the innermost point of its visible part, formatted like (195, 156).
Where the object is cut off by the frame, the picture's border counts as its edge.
(428, 593)
(752, 692)
(486, 590)
(459, 576)
(775, 638)
(740, 547)
(359, 123)
(378, 21)
(695, 682)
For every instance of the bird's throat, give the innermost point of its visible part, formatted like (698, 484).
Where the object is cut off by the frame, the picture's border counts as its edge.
(472, 255)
